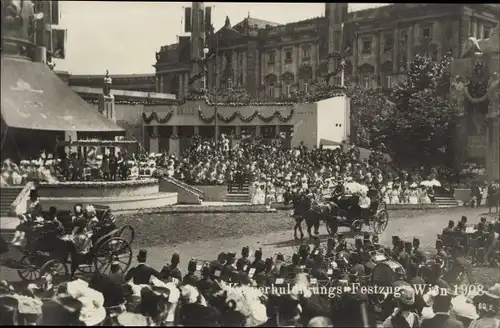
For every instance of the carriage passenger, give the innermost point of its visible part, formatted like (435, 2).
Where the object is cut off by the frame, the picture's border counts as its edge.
(31, 217)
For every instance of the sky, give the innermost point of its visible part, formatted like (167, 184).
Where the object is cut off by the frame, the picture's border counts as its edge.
(122, 37)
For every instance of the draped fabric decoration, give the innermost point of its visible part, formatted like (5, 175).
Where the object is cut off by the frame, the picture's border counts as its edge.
(248, 119)
(154, 117)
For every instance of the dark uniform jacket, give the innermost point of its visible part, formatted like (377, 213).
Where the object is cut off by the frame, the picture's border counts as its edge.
(441, 321)
(190, 279)
(141, 274)
(242, 262)
(175, 273)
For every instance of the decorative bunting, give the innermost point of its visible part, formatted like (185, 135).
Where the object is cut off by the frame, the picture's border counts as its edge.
(248, 119)
(154, 117)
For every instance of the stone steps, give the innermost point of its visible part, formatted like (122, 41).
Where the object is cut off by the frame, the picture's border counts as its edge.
(238, 196)
(446, 202)
(7, 196)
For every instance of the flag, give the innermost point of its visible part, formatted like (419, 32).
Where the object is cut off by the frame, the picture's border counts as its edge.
(187, 19)
(54, 12)
(348, 38)
(59, 43)
(208, 17)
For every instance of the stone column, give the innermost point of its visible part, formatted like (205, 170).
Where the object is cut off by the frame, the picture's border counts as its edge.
(196, 130)
(174, 146)
(238, 130)
(410, 44)
(185, 87)
(395, 51)
(257, 130)
(378, 77)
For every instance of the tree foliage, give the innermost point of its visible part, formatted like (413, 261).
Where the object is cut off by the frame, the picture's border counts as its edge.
(370, 109)
(419, 131)
(416, 128)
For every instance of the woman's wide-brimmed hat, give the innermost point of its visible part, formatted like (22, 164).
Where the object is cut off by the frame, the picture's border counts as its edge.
(493, 292)
(129, 319)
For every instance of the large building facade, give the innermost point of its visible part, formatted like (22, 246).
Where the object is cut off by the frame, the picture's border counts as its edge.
(274, 61)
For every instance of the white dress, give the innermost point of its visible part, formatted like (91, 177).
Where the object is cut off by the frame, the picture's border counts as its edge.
(394, 196)
(424, 198)
(413, 197)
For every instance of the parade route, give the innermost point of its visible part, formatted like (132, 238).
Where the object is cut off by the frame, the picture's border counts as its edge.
(424, 225)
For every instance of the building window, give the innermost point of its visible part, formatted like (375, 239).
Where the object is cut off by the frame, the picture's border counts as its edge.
(288, 56)
(427, 32)
(365, 80)
(229, 84)
(272, 91)
(367, 46)
(288, 89)
(387, 81)
(486, 32)
(388, 42)
(306, 52)
(272, 57)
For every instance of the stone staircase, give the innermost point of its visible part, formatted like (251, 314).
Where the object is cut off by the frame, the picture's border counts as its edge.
(236, 196)
(446, 202)
(7, 196)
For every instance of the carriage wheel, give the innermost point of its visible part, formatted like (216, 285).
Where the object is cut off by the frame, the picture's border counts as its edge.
(28, 271)
(127, 233)
(57, 269)
(332, 227)
(380, 222)
(357, 226)
(113, 250)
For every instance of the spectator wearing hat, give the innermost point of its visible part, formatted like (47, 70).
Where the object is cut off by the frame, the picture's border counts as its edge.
(206, 285)
(435, 276)
(488, 307)
(175, 273)
(243, 262)
(190, 278)
(141, 274)
(229, 268)
(460, 265)
(441, 307)
(402, 315)
(258, 264)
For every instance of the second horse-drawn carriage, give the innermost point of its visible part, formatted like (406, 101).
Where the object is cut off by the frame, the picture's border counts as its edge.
(47, 251)
(343, 211)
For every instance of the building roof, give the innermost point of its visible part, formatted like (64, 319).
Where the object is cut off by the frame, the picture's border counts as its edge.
(115, 76)
(256, 23)
(34, 97)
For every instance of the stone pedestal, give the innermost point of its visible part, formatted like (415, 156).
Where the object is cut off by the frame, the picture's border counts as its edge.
(107, 106)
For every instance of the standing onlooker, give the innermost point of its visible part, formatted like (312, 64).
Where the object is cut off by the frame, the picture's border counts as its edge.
(477, 193)
(105, 167)
(494, 195)
(113, 167)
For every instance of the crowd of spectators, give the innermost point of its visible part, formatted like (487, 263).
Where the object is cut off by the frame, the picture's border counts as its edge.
(269, 169)
(230, 291)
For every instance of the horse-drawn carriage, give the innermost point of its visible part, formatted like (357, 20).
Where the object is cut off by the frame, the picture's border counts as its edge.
(48, 252)
(345, 212)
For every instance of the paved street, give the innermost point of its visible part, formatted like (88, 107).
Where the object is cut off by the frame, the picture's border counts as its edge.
(425, 226)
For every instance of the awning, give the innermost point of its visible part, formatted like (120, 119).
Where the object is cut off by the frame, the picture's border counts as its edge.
(33, 97)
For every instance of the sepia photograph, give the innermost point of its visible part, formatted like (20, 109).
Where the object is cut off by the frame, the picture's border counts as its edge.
(250, 164)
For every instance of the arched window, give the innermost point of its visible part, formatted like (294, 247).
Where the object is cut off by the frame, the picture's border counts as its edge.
(287, 83)
(271, 83)
(366, 75)
(387, 75)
